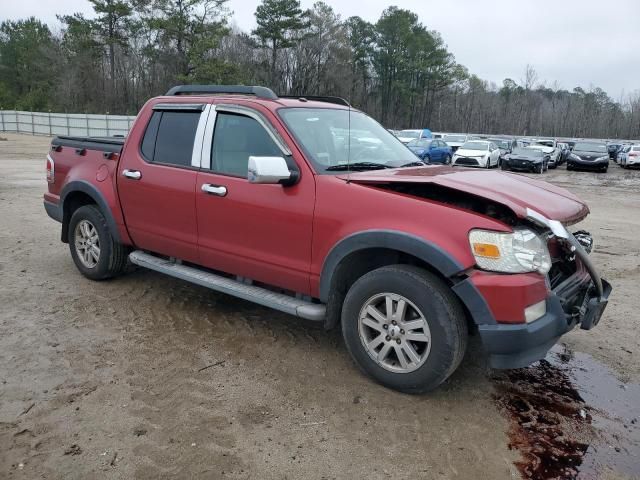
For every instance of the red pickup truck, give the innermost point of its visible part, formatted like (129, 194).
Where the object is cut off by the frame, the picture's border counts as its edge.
(308, 206)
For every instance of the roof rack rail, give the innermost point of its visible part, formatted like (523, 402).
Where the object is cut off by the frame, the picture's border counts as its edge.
(260, 92)
(320, 98)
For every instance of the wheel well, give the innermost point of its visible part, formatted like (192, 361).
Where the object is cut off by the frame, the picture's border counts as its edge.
(356, 264)
(72, 202)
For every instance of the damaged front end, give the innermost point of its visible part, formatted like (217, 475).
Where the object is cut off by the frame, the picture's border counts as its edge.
(573, 278)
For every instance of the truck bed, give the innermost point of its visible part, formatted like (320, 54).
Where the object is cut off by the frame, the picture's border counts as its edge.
(103, 144)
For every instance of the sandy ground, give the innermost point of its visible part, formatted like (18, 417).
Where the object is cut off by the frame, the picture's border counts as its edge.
(146, 376)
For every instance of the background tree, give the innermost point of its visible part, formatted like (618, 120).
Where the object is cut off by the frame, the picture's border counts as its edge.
(396, 69)
(279, 25)
(27, 68)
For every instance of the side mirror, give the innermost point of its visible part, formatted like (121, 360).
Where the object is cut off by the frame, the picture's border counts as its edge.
(268, 170)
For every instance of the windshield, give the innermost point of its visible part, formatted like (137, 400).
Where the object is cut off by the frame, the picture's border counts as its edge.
(529, 152)
(590, 147)
(409, 133)
(475, 146)
(323, 134)
(422, 143)
(455, 138)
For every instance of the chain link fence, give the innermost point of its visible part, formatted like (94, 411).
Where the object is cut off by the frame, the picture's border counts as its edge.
(72, 124)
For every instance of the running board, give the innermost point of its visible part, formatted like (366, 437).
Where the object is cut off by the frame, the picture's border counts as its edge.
(278, 301)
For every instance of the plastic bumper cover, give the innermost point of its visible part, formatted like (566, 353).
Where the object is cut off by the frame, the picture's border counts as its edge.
(53, 210)
(519, 345)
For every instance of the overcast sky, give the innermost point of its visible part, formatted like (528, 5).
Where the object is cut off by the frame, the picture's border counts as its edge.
(572, 42)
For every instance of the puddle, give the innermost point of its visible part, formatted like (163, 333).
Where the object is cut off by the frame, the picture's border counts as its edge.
(571, 418)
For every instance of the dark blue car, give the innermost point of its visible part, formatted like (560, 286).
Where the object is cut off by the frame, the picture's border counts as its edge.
(431, 150)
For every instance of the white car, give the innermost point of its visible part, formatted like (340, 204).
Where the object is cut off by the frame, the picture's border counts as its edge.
(405, 136)
(455, 141)
(477, 153)
(632, 158)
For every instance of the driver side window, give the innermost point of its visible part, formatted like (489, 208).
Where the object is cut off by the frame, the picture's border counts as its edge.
(236, 138)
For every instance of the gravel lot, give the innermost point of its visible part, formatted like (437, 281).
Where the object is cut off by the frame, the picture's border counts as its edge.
(146, 376)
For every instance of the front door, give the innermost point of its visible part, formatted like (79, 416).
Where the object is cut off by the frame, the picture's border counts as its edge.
(259, 231)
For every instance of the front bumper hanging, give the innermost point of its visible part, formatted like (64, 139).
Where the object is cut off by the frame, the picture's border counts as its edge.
(519, 345)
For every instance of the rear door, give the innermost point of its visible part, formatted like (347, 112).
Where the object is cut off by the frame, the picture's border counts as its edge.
(258, 231)
(157, 181)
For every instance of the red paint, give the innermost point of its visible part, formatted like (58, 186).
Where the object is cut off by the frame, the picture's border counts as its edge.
(282, 235)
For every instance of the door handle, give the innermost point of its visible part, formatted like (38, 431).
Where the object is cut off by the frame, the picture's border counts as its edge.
(132, 174)
(218, 190)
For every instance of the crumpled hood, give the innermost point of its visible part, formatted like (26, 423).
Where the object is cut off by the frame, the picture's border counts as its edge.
(516, 192)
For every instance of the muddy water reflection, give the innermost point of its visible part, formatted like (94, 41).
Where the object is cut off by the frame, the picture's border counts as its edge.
(571, 418)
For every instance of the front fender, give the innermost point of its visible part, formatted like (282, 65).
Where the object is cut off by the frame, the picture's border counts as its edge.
(433, 255)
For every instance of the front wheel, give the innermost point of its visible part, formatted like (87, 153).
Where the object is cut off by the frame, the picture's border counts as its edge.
(539, 169)
(404, 328)
(94, 251)
(447, 160)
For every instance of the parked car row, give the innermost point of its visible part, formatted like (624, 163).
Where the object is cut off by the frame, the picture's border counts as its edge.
(628, 155)
(512, 153)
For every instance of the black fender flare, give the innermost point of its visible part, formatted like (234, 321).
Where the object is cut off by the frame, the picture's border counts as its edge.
(90, 190)
(433, 255)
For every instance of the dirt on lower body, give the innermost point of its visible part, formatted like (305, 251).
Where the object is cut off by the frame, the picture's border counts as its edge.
(146, 376)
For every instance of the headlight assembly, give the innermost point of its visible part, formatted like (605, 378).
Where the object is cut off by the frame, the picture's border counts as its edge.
(518, 252)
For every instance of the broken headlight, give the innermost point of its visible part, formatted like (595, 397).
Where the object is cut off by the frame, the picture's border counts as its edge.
(518, 252)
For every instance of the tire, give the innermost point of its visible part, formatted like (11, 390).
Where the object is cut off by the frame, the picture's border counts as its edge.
(539, 169)
(447, 160)
(423, 293)
(504, 166)
(488, 166)
(569, 167)
(111, 256)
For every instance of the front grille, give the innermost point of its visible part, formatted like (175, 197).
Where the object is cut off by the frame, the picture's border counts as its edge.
(466, 161)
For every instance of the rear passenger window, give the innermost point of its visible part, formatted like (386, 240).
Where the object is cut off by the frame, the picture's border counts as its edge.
(170, 136)
(235, 139)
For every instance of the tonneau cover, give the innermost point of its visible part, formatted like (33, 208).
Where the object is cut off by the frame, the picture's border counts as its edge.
(104, 144)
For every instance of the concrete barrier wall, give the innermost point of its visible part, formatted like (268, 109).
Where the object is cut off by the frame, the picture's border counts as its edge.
(79, 124)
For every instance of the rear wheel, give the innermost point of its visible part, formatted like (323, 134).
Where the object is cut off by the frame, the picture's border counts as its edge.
(404, 328)
(94, 251)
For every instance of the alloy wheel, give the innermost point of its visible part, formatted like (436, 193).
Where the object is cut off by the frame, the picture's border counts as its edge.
(87, 243)
(394, 332)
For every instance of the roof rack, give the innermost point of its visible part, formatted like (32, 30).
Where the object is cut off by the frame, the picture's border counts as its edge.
(319, 98)
(260, 92)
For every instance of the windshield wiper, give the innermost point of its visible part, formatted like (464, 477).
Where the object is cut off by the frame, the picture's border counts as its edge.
(413, 164)
(356, 166)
